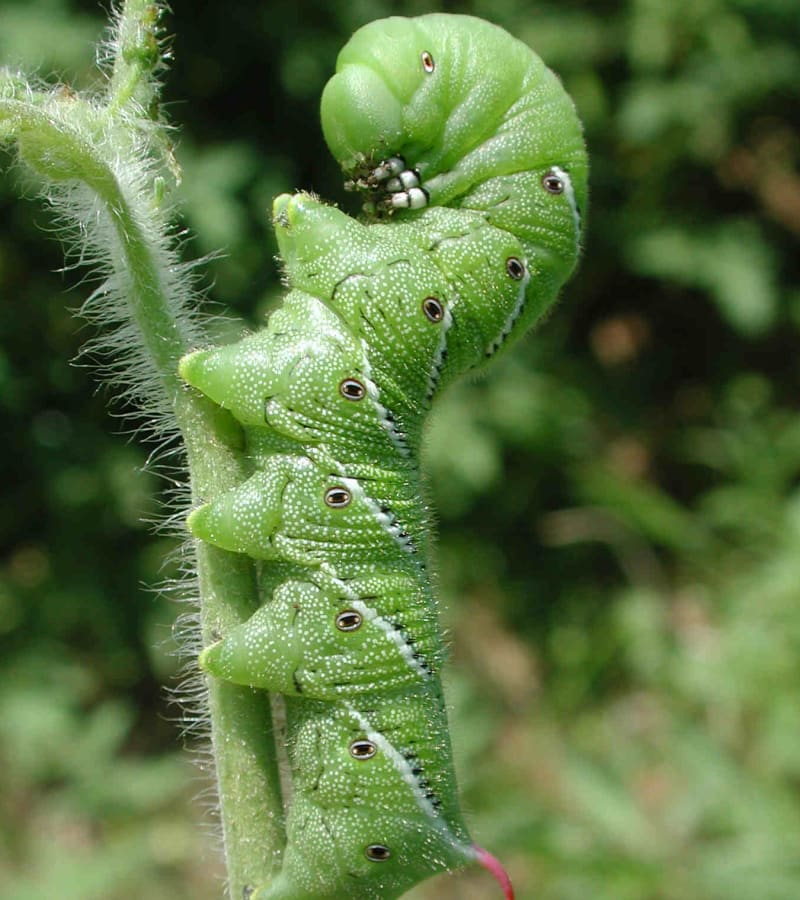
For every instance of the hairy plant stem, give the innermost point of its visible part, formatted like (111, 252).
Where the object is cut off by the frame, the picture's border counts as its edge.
(65, 139)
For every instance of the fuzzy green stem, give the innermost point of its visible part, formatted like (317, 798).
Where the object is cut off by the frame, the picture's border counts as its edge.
(251, 806)
(137, 57)
(65, 138)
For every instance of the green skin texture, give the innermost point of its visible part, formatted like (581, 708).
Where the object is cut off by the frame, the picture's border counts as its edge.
(333, 507)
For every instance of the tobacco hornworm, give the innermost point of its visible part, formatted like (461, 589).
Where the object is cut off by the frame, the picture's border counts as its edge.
(470, 152)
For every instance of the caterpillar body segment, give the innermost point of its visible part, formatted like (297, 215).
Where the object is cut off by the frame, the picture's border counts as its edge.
(371, 849)
(326, 639)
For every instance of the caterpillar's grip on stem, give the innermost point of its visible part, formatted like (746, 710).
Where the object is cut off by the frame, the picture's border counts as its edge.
(471, 156)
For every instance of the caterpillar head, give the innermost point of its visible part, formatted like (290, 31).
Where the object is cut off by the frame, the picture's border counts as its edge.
(479, 120)
(455, 99)
(400, 86)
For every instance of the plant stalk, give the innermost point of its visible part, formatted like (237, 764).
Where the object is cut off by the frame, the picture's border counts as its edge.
(119, 149)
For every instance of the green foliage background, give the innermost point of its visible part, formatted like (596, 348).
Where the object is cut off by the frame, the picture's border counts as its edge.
(618, 502)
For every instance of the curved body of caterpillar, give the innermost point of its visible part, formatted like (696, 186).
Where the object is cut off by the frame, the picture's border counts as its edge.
(332, 394)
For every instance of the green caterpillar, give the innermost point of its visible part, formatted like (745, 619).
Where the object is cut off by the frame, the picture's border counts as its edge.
(471, 159)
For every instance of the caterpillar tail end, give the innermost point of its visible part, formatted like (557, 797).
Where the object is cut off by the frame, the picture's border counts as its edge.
(493, 865)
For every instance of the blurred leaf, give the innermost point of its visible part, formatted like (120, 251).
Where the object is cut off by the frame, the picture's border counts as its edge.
(732, 262)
